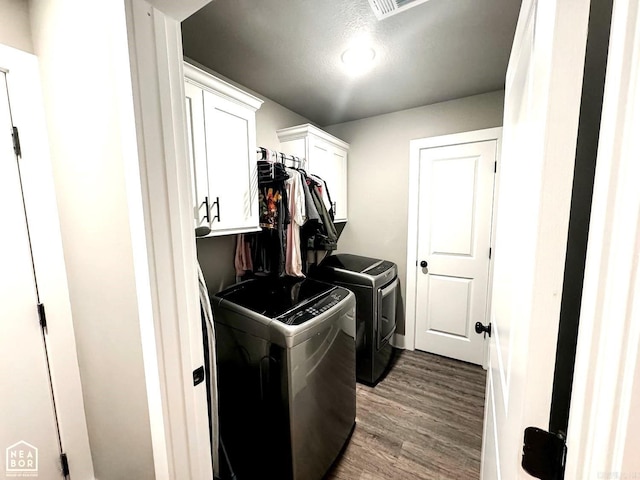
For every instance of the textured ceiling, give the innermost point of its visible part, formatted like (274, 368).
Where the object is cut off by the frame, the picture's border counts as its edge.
(289, 51)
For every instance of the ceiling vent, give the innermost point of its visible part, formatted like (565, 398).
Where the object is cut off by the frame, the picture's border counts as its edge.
(386, 8)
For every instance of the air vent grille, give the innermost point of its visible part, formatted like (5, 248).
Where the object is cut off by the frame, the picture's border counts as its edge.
(386, 8)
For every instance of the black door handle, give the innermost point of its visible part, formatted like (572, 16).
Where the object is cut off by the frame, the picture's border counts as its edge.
(480, 328)
(424, 264)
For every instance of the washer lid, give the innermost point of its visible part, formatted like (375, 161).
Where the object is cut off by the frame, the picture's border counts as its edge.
(352, 263)
(273, 297)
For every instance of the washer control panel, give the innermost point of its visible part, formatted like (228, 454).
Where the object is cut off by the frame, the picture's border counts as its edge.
(315, 308)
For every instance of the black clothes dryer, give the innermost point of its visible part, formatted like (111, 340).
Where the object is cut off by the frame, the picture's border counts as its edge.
(375, 284)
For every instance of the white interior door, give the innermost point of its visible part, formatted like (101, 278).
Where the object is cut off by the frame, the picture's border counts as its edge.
(542, 102)
(28, 437)
(454, 238)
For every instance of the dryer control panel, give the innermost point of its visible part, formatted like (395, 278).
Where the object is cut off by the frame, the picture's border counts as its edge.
(380, 268)
(314, 308)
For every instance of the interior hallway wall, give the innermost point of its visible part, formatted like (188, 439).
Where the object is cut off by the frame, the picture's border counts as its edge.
(15, 28)
(216, 254)
(95, 164)
(378, 171)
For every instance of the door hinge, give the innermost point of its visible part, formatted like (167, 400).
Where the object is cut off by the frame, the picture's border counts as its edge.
(42, 316)
(198, 376)
(495, 166)
(489, 253)
(16, 142)
(544, 454)
(64, 461)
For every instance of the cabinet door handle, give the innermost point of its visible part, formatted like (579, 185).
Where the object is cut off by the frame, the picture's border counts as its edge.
(206, 209)
(217, 204)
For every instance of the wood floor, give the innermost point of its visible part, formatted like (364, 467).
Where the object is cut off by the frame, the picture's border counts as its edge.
(423, 421)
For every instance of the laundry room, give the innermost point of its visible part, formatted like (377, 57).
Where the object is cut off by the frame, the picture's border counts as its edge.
(319, 240)
(314, 116)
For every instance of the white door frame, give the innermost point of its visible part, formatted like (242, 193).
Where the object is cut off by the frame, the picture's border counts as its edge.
(604, 417)
(408, 340)
(166, 258)
(25, 96)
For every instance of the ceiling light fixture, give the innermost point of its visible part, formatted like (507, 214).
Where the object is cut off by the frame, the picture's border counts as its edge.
(358, 58)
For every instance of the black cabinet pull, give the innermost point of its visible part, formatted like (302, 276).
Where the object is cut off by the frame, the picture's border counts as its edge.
(206, 209)
(217, 204)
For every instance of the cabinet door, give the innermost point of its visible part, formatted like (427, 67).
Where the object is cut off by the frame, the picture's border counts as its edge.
(339, 188)
(329, 163)
(320, 154)
(197, 153)
(232, 165)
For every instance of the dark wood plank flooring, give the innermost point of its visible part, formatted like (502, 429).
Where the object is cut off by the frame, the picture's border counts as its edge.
(422, 421)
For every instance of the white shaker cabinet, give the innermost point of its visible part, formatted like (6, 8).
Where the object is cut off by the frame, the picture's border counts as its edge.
(326, 157)
(221, 126)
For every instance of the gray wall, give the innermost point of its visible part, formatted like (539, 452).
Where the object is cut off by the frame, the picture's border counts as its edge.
(216, 254)
(91, 126)
(379, 170)
(378, 175)
(15, 30)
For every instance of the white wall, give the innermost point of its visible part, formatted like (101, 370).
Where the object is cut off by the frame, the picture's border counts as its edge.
(378, 170)
(84, 64)
(15, 30)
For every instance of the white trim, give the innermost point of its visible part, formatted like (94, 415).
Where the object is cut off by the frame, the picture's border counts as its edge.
(25, 93)
(412, 220)
(604, 398)
(173, 344)
(302, 131)
(179, 10)
(217, 86)
(231, 231)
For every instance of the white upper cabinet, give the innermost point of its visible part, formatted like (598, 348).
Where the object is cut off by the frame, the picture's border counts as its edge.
(221, 125)
(326, 157)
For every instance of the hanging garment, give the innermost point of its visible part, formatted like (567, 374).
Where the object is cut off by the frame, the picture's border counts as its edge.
(310, 207)
(320, 235)
(210, 363)
(243, 261)
(270, 185)
(295, 192)
(270, 199)
(315, 257)
(269, 249)
(324, 194)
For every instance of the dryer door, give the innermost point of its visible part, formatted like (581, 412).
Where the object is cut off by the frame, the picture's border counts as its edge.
(386, 312)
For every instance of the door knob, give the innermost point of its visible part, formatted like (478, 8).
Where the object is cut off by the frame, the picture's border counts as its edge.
(480, 328)
(424, 264)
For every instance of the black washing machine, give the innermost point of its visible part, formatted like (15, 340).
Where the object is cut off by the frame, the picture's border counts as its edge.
(285, 351)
